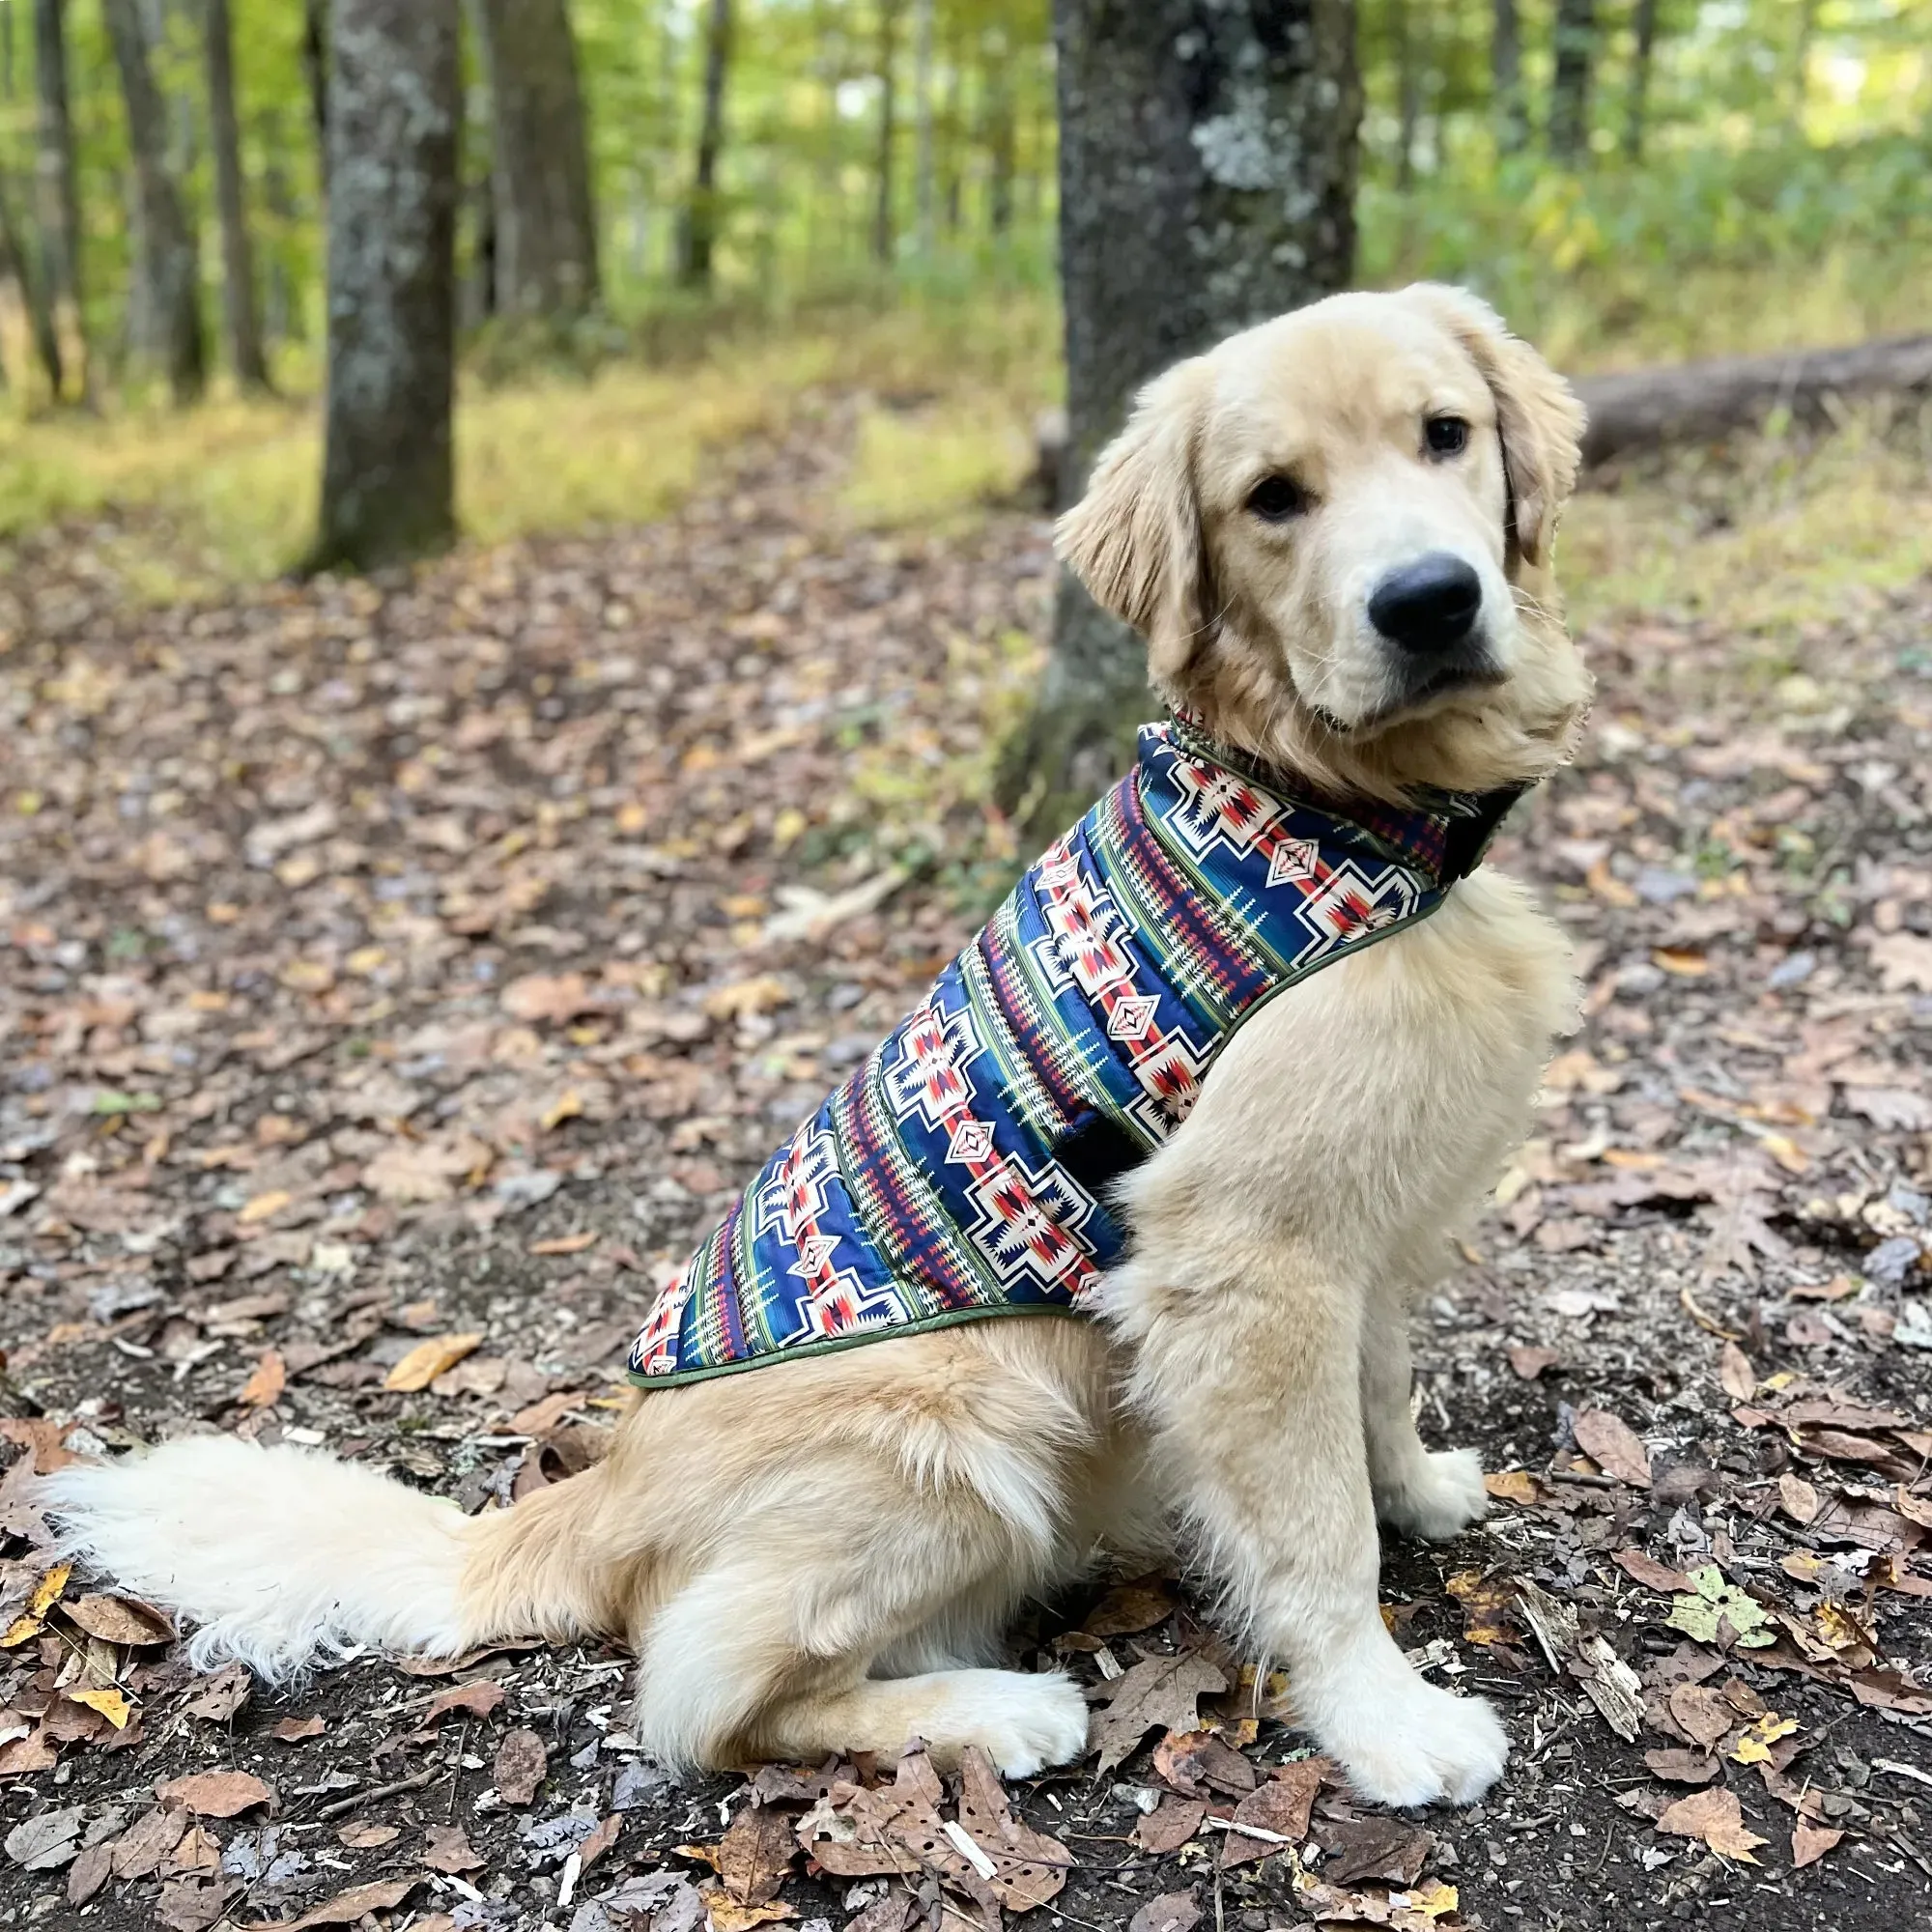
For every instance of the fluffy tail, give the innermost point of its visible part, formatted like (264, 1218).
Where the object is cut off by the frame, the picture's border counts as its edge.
(286, 1556)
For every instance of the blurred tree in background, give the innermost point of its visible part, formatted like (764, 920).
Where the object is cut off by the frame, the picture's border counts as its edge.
(1632, 181)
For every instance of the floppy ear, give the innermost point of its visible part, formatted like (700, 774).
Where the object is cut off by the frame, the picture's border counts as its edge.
(1540, 419)
(1134, 539)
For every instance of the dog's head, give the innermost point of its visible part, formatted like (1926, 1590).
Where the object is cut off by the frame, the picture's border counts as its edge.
(1334, 531)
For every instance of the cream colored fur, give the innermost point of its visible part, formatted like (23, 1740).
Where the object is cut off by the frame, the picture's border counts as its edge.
(823, 1556)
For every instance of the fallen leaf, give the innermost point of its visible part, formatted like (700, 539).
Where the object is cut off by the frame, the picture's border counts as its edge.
(599, 1841)
(543, 996)
(1735, 1373)
(346, 1908)
(32, 1620)
(756, 1854)
(1701, 1714)
(43, 1438)
(1169, 1825)
(1797, 1498)
(112, 1704)
(1529, 1363)
(1712, 1604)
(446, 1848)
(1715, 1817)
(1513, 1485)
(564, 1244)
(1646, 1569)
(224, 1695)
(1614, 1446)
(1754, 1746)
(1489, 1605)
(1279, 1807)
(1810, 1842)
(1028, 1867)
(1157, 1693)
(293, 1730)
(429, 1359)
(726, 1914)
(1678, 1766)
(122, 1620)
(47, 1840)
(215, 1794)
(268, 1377)
(364, 1836)
(521, 1765)
(89, 1872)
(1191, 1760)
(1171, 1911)
(1127, 1610)
(140, 1849)
(1383, 1849)
(263, 1207)
(475, 1700)
(742, 998)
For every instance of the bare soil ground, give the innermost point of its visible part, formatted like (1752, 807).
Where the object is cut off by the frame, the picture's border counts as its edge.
(398, 978)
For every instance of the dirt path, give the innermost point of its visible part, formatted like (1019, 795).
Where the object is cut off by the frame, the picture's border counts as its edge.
(397, 980)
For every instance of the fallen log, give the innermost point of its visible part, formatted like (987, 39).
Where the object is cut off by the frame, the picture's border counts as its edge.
(1695, 402)
(1689, 401)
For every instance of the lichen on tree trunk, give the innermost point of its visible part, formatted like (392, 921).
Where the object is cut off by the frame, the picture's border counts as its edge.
(388, 488)
(1208, 154)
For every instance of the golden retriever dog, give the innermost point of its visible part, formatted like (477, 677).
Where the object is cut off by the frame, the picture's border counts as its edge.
(1334, 531)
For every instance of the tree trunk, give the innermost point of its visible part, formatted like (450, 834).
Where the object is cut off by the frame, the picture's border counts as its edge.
(387, 486)
(315, 70)
(882, 205)
(238, 258)
(55, 198)
(1636, 108)
(1575, 53)
(1001, 133)
(1207, 155)
(1409, 95)
(921, 113)
(34, 293)
(1506, 79)
(165, 259)
(1702, 401)
(699, 236)
(546, 226)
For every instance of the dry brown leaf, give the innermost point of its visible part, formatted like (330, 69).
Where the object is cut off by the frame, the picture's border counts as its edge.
(1171, 1911)
(1701, 1714)
(1529, 1363)
(43, 1437)
(1028, 1868)
(1796, 1498)
(429, 1359)
(475, 1700)
(725, 1913)
(756, 1854)
(1157, 1693)
(557, 997)
(265, 1380)
(365, 1835)
(123, 1620)
(140, 1849)
(1489, 1605)
(1810, 1842)
(1643, 1568)
(1190, 1761)
(222, 1695)
(1129, 1609)
(346, 1908)
(1614, 1447)
(1512, 1486)
(1735, 1373)
(1279, 1807)
(1715, 1817)
(599, 1841)
(215, 1794)
(293, 1730)
(521, 1765)
(1382, 1849)
(1678, 1766)
(1169, 1825)
(446, 1848)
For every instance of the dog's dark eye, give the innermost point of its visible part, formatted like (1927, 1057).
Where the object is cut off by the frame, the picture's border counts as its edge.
(1447, 435)
(1276, 498)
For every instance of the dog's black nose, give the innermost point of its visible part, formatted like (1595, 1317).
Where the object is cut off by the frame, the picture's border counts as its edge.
(1427, 605)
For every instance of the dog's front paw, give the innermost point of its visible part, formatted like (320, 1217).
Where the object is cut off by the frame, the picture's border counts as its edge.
(1030, 1722)
(1442, 1494)
(1418, 1745)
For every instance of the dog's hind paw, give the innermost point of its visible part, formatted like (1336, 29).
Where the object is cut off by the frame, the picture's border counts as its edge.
(1442, 1494)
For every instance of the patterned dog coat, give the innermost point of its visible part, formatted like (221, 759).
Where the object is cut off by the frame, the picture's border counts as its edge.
(962, 1172)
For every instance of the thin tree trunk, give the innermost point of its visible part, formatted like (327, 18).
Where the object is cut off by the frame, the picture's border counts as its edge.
(1409, 95)
(1636, 107)
(952, 127)
(239, 312)
(1801, 59)
(700, 236)
(34, 295)
(166, 263)
(921, 113)
(56, 199)
(387, 486)
(546, 224)
(1574, 55)
(1506, 79)
(882, 205)
(315, 70)
(1000, 138)
(1208, 160)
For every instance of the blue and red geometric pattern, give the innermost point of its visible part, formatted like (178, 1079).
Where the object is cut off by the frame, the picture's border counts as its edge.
(963, 1171)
